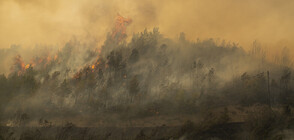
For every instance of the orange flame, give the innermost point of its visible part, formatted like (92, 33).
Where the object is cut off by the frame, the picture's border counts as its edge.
(48, 58)
(119, 31)
(19, 65)
(42, 62)
(27, 66)
(55, 57)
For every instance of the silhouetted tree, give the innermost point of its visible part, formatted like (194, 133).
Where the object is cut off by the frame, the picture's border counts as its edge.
(134, 57)
(64, 88)
(133, 87)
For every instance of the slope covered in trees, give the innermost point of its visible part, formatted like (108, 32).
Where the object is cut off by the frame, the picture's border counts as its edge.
(148, 76)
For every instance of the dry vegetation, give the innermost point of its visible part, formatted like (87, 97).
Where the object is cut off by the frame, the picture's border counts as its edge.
(149, 88)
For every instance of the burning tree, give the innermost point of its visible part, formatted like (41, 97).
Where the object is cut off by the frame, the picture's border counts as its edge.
(119, 31)
(19, 65)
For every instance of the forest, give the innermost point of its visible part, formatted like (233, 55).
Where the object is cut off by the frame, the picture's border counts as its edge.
(168, 88)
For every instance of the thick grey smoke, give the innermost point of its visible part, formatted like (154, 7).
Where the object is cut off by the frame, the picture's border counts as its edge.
(69, 68)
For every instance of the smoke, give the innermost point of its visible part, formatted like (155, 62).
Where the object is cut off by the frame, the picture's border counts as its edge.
(72, 61)
(54, 22)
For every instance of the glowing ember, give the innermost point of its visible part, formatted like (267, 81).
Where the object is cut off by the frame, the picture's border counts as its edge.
(27, 66)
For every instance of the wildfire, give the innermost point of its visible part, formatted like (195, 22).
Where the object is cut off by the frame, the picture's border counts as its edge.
(55, 57)
(48, 58)
(39, 62)
(119, 31)
(43, 61)
(19, 65)
(27, 66)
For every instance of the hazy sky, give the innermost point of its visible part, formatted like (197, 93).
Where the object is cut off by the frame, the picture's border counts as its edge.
(30, 22)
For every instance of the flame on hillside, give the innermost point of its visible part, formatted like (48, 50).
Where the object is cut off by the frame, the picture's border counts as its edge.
(19, 65)
(119, 31)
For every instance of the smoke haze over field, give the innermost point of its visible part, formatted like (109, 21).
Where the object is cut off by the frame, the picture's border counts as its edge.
(181, 69)
(52, 22)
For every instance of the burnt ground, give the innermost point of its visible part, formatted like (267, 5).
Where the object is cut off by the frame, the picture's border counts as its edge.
(71, 132)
